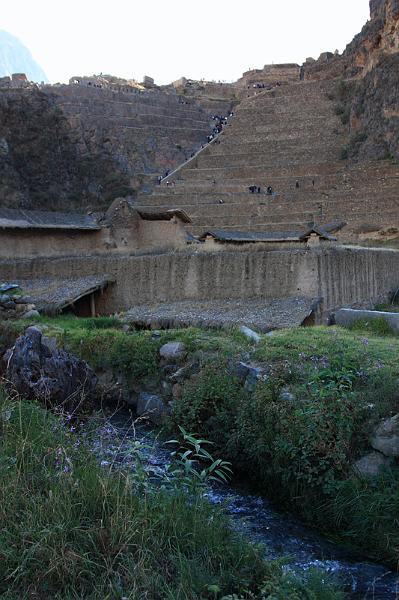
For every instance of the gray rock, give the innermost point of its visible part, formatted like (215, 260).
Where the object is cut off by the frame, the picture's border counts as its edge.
(152, 407)
(345, 317)
(173, 351)
(286, 396)
(39, 371)
(371, 464)
(239, 370)
(386, 437)
(9, 305)
(166, 389)
(250, 334)
(184, 372)
(177, 391)
(31, 314)
(254, 374)
(113, 387)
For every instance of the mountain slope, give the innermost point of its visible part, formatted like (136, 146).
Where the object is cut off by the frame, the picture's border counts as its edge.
(16, 58)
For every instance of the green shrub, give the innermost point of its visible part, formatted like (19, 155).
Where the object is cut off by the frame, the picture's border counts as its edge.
(378, 326)
(308, 421)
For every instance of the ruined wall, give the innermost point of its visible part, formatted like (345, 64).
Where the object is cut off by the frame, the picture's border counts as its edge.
(341, 276)
(139, 237)
(271, 74)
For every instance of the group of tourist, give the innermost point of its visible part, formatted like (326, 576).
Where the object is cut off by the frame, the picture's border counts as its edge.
(256, 189)
(220, 122)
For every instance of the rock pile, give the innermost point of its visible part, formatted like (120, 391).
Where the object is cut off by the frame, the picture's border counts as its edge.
(13, 303)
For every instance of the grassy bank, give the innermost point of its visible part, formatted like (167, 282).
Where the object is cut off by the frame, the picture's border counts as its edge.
(71, 530)
(295, 433)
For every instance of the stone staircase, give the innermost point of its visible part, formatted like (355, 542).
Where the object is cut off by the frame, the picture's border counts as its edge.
(280, 138)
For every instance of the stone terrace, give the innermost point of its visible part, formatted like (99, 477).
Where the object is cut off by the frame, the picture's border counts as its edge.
(276, 138)
(147, 131)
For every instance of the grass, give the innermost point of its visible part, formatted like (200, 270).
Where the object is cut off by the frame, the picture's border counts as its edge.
(298, 431)
(72, 530)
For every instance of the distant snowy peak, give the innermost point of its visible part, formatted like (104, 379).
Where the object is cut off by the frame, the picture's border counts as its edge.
(16, 58)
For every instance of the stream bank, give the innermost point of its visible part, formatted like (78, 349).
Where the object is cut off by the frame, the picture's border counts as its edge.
(252, 515)
(294, 413)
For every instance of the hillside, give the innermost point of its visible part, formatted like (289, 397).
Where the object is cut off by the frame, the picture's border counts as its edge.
(16, 58)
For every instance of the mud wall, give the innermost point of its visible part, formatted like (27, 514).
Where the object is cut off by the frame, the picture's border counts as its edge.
(341, 276)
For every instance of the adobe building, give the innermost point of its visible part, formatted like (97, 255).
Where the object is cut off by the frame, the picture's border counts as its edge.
(123, 229)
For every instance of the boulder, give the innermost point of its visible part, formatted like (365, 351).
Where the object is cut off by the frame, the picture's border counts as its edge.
(371, 464)
(152, 407)
(250, 334)
(185, 372)
(173, 351)
(37, 369)
(386, 437)
(31, 314)
(177, 391)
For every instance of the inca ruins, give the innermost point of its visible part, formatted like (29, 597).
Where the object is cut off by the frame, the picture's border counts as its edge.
(281, 187)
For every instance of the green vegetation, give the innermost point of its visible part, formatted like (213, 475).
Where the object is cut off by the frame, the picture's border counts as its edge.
(297, 433)
(72, 530)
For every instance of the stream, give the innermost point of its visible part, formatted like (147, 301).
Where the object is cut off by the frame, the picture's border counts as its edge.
(254, 516)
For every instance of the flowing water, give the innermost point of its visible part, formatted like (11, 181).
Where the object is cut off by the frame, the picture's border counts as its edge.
(254, 516)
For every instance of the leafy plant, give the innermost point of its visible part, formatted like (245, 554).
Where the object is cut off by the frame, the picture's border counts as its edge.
(194, 465)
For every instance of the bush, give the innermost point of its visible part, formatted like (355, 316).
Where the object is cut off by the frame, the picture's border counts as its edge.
(307, 422)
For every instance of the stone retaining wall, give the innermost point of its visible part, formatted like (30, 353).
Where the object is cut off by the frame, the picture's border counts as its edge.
(342, 276)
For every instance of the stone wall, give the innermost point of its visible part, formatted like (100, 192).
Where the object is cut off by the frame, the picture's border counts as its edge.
(341, 276)
(139, 236)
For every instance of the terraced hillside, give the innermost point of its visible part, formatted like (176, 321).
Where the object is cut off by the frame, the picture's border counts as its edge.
(289, 138)
(70, 147)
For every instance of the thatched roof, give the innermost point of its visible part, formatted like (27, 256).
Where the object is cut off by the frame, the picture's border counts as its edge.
(320, 231)
(12, 218)
(53, 295)
(223, 235)
(237, 237)
(166, 215)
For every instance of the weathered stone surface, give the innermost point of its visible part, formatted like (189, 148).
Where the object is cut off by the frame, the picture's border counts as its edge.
(184, 372)
(371, 464)
(31, 314)
(152, 407)
(113, 387)
(348, 316)
(177, 391)
(173, 351)
(38, 370)
(385, 437)
(250, 334)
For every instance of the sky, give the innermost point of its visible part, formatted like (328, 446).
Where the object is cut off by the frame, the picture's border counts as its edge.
(211, 39)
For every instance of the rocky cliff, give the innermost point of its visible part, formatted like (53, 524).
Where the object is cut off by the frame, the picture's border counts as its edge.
(374, 102)
(42, 164)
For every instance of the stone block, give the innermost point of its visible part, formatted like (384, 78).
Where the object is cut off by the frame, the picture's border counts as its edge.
(345, 317)
(371, 464)
(152, 407)
(386, 437)
(173, 351)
